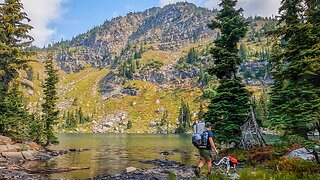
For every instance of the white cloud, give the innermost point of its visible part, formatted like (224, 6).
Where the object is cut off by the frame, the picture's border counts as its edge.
(42, 13)
(260, 7)
(251, 7)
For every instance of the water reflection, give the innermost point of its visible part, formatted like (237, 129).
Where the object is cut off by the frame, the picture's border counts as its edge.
(114, 152)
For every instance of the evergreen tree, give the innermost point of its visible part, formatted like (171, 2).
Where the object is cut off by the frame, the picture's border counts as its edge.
(37, 129)
(295, 96)
(13, 38)
(243, 52)
(201, 75)
(184, 118)
(136, 55)
(228, 108)
(140, 50)
(14, 119)
(192, 56)
(233, 28)
(50, 114)
(218, 36)
(80, 116)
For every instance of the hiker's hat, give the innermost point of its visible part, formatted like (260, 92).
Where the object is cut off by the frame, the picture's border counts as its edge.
(208, 124)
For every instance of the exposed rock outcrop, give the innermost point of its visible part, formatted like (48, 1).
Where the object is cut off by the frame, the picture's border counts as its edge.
(112, 123)
(170, 28)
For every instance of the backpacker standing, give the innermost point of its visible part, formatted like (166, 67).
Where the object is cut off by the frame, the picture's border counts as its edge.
(207, 152)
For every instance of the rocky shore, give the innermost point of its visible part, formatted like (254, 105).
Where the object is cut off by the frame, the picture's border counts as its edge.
(16, 158)
(163, 169)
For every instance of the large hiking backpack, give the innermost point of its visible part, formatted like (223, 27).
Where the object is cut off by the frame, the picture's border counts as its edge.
(196, 140)
(200, 140)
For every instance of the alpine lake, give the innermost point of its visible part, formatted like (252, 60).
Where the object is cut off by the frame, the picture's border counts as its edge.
(112, 153)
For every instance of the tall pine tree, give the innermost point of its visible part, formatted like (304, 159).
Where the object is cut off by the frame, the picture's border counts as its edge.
(50, 114)
(184, 118)
(13, 38)
(228, 108)
(295, 96)
(14, 118)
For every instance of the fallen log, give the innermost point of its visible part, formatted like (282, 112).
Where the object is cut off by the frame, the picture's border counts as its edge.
(56, 170)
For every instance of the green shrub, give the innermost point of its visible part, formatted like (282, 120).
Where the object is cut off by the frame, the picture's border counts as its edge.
(298, 167)
(171, 176)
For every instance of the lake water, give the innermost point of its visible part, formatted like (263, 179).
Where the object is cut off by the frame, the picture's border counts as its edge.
(114, 152)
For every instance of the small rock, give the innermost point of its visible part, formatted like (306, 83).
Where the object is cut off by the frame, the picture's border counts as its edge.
(42, 157)
(130, 169)
(153, 124)
(160, 110)
(234, 176)
(30, 92)
(108, 124)
(166, 153)
(78, 150)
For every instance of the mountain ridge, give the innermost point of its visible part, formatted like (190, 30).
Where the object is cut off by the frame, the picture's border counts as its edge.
(170, 28)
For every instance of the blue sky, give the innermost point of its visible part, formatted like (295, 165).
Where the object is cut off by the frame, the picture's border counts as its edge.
(56, 19)
(79, 15)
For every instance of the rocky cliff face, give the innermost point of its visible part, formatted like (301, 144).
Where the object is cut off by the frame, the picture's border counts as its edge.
(170, 28)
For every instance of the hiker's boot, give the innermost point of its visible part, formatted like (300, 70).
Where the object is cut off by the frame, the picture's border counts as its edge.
(197, 172)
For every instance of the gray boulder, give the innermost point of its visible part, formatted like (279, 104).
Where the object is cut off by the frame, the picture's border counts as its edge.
(301, 153)
(13, 155)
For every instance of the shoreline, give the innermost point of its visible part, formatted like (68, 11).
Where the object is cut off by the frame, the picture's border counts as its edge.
(16, 159)
(163, 170)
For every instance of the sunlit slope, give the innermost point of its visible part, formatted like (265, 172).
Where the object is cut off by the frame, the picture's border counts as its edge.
(82, 90)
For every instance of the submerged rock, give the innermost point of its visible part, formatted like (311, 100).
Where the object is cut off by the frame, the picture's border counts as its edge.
(173, 152)
(165, 167)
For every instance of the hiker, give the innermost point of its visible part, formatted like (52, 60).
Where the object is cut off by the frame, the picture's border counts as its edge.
(206, 153)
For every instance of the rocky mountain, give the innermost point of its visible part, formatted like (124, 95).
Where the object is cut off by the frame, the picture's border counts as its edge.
(170, 28)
